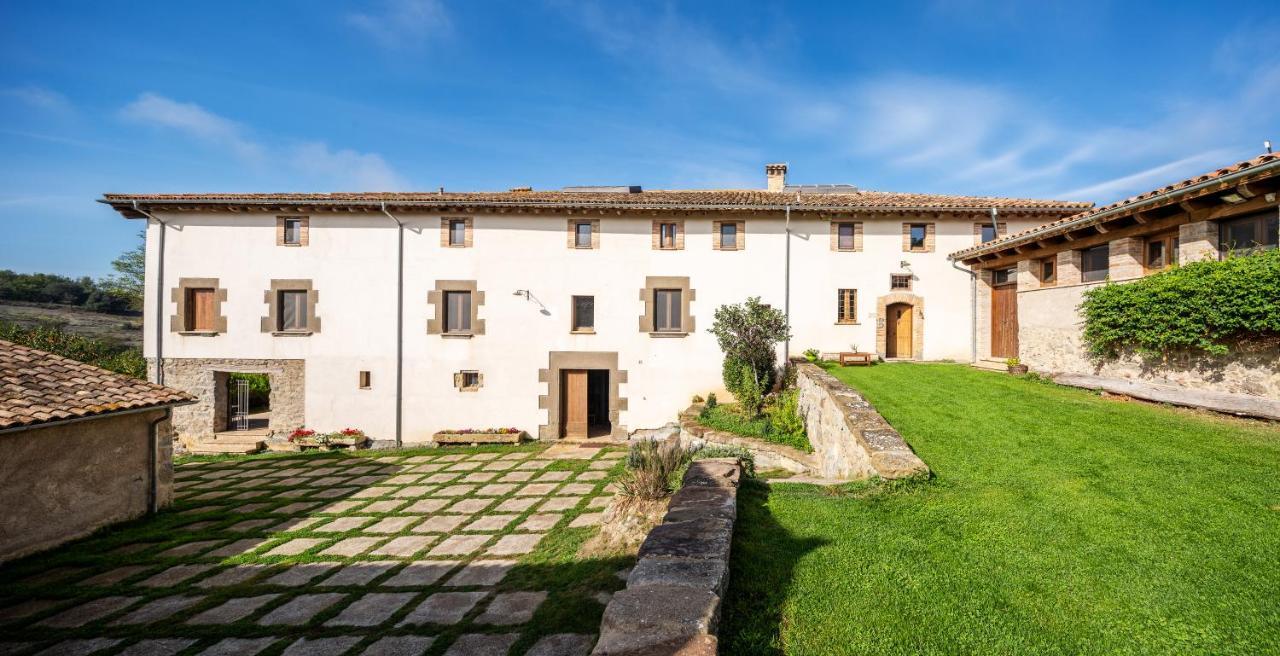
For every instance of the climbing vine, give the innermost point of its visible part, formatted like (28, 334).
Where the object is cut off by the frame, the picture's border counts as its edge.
(1205, 307)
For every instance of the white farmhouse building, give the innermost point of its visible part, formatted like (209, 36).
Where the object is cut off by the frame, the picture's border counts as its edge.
(574, 312)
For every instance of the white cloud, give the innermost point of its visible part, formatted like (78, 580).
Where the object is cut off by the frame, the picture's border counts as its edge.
(40, 98)
(312, 162)
(404, 24)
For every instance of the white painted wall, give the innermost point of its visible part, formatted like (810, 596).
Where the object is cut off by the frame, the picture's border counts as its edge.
(351, 260)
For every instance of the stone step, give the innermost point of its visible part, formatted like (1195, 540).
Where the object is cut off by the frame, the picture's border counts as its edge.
(992, 365)
(210, 447)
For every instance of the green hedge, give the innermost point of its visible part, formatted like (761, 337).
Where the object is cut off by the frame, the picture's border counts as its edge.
(1204, 307)
(114, 357)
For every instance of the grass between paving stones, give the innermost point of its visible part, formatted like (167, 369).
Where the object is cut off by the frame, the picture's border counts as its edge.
(572, 585)
(1057, 522)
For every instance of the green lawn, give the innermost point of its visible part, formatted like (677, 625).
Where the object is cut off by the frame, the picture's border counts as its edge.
(1057, 522)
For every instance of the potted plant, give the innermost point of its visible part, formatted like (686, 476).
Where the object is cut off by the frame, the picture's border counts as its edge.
(1015, 366)
(479, 436)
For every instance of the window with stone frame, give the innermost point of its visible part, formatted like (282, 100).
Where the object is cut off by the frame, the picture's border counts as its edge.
(292, 230)
(728, 236)
(468, 381)
(293, 310)
(582, 234)
(667, 311)
(199, 311)
(919, 232)
(1047, 271)
(457, 312)
(584, 314)
(667, 235)
(847, 306)
(900, 281)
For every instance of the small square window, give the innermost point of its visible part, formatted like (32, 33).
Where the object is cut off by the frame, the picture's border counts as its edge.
(728, 236)
(846, 306)
(918, 233)
(1048, 271)
(457, 232)
(468, 380)
(365, 380)
(582, 235)
(1003, 276)
(988, 233)
(667, 235)
(293, 232)
(900, 281)
(584, 314)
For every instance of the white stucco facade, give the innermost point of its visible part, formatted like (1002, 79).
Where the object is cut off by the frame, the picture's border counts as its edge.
(351, 261)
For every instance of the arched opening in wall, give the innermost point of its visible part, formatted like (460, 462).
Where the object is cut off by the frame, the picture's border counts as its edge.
(899, 331)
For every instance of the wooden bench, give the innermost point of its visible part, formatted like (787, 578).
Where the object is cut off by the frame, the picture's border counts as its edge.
(848, 358)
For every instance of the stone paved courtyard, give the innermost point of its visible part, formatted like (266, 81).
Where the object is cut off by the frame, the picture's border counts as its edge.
(445, 551)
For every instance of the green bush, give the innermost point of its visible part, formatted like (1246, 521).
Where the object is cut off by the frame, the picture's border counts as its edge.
(721, 451)
(731, 419)
(784, 414)
(1202, 306)
(750, 392)
(749, 333)
(100, 353)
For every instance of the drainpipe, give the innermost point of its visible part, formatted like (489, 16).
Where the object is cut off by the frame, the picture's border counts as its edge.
(153, 436)
(786, 294)
(399, 325)
(973, 308)
(159, 294)
(995, 224)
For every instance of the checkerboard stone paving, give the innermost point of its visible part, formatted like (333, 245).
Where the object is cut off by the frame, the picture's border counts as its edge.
(405, 553)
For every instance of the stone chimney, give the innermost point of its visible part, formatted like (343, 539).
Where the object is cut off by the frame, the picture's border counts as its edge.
(776, 176)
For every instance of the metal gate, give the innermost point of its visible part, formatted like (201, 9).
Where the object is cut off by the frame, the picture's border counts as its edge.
(240, 410)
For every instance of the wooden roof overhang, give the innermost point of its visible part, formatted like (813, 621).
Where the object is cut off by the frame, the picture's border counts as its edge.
(1220, 197)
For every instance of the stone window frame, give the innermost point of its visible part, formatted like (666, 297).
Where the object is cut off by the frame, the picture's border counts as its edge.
(558, 361)
(851, 319)
(1038, 271)
(460, 380)
(930, 230)
(1002, 230)
(468, 231)
(657, 234)
(304, 230)
(573, 234)
(271, 322)
(573, 315)
(178, 320)
(364, 379)
(435, 298)
(740, 240)
(687, 296)
(894, 277)
(857, 236)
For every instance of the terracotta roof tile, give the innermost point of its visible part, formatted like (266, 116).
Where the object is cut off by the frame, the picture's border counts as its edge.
(723, 199)
(40, 387)
(1049, 228)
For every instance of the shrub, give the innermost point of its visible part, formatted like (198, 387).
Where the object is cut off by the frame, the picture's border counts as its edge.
(812, 354)
(1204, 306)
(750, 390)
(652, 469)
(730, 419)
(784, 414)
(99, 353)
(711, 401)
(718, 451)
(749, 333)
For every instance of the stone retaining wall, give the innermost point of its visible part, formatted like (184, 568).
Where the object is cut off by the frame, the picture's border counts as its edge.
(767, 455)
(850, 439)
(671, 604)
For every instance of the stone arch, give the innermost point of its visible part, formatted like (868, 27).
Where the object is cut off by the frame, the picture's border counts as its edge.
(917, 322)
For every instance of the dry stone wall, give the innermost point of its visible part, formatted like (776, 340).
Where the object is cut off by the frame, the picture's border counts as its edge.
(671, 604)
(1049, 341)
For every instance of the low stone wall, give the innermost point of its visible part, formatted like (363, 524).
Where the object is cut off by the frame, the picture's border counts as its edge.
(767, 455)
(206, 379)
(1049, 341)
(64, 482)
(671, 604)
(850, 439)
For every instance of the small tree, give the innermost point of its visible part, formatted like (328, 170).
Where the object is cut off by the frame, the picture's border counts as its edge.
(130, 274)
(748, 334)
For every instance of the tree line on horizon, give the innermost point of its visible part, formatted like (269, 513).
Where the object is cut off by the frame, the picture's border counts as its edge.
(119, 293)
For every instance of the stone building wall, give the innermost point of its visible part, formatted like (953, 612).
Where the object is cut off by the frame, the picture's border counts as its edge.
(1049, 341)
(206, 379)
(75, 478)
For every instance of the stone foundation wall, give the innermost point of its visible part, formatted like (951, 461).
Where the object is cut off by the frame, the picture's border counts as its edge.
(1049, 341)
(671, 604)
(206, 379)
(850, 439)
(73, 479)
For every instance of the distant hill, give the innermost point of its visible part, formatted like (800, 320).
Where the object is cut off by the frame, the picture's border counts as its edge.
(119, 329)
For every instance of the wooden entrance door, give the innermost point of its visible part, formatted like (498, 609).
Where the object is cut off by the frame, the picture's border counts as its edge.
(1004, 321)
(898, 331)
(573, 402)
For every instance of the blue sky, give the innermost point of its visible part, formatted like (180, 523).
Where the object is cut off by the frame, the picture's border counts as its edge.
(1074, 100)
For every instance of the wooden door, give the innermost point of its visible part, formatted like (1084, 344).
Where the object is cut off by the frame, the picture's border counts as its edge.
(898, 331)
(573, 401)
(1004, 321)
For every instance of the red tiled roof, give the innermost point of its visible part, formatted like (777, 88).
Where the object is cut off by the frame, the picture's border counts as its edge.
(724, 199)
(37, 387)
(1060, 225)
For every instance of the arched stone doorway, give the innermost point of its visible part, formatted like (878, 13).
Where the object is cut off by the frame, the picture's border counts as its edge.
(900, 326)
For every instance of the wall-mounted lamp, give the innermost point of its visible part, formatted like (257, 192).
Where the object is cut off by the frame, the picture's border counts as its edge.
(905, 264)
(521, 292)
